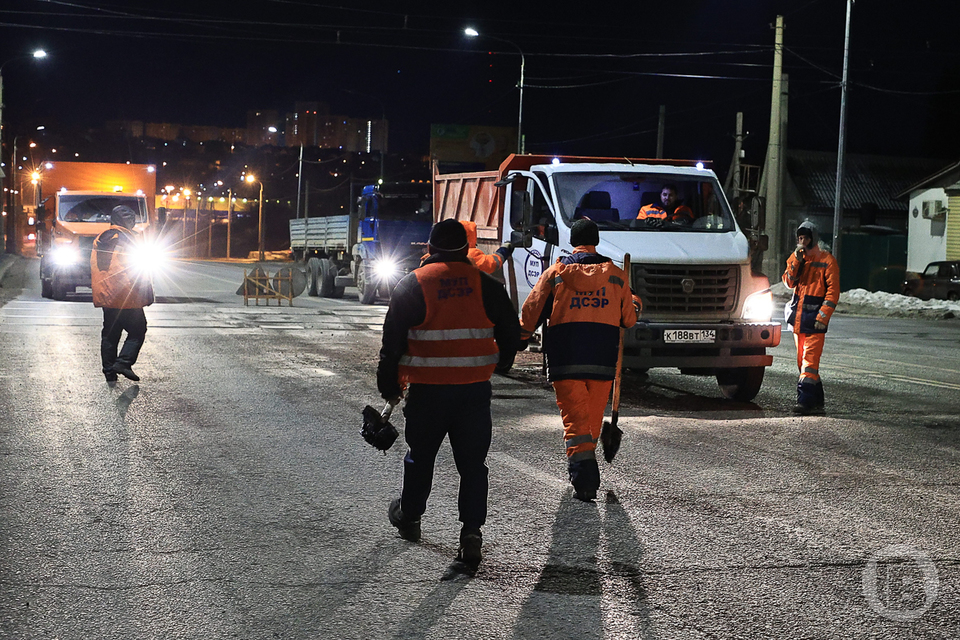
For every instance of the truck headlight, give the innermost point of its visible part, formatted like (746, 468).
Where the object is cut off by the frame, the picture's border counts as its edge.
(64, 256)
(758, 306)
(148, 257)
(385, 269)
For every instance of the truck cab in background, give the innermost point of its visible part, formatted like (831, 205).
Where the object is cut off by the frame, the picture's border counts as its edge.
(372, 248)
(74, 204)
(704, 309)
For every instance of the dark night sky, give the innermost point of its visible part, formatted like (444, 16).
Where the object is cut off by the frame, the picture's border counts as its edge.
(596, 72)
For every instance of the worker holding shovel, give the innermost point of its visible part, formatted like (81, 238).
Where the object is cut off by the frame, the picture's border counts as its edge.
(584, 299)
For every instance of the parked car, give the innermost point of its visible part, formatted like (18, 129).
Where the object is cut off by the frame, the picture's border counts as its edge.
(940, 280)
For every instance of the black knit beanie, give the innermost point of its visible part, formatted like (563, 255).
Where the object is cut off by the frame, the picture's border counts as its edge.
(448, 235)
(584, 232)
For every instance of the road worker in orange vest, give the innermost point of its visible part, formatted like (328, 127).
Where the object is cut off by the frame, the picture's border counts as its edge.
(122, 290)
(585, 300)
(447, 327)
(814, 276)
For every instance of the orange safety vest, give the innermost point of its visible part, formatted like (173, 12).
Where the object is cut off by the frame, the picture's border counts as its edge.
(116, 283)
(454, 344)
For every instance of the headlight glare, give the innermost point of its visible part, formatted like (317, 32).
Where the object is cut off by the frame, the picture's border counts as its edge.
(64, 256)
(148, 257)
(759, 306)
(385, 268)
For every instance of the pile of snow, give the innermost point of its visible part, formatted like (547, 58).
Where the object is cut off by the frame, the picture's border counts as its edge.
(896, 302)
(879, 303)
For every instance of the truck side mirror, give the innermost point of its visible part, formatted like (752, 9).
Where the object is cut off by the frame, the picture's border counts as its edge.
(161, 216)
(521, 239)
(521, 211)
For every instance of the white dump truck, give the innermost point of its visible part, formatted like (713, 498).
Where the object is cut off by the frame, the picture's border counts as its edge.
(705, 311)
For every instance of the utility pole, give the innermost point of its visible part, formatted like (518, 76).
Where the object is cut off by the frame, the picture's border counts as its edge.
(660, 127)
(842, 144)
(229, 217)
(772, 167)
(299, 180)
(732, 184)
(306, 201)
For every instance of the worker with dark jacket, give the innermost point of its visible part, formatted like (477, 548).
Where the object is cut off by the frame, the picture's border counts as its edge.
(584, 299)
(814, 276)
(447, 327)
(122, 290)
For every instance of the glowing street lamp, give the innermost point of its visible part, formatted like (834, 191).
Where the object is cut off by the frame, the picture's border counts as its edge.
(251, 179)
(473, 33)
(11, 228)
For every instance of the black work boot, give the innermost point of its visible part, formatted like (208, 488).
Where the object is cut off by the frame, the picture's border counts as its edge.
(809, 399)
(469, 552)
(585, 478)
(125, 371)
(409, 528)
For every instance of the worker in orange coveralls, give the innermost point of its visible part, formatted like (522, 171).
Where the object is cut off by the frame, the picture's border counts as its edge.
(585, 299)
(814, 276)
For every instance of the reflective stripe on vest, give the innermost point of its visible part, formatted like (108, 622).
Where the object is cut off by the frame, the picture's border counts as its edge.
(455, 342)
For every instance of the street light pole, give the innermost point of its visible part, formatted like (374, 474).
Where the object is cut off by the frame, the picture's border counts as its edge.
(11, 226)
(251, 180)
(521, 143)
(229, 217)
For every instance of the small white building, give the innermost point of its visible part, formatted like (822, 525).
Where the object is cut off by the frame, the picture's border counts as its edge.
(933, 218)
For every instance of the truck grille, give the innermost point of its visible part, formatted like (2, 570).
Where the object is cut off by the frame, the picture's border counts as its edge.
(686, 289)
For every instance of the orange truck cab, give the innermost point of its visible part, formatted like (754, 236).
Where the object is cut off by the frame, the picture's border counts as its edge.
(74, 201)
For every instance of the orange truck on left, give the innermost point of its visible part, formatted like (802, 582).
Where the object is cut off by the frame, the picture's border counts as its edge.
(74, 201)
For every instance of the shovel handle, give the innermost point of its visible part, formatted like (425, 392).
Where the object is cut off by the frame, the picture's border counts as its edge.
(388, 409)
(618, 378)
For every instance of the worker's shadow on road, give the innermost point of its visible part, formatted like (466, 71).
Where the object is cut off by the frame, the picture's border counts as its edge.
(577, 571)
(125, 399)
(565, 602)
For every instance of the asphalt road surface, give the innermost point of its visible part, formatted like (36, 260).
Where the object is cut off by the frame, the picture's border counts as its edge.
(229, 494)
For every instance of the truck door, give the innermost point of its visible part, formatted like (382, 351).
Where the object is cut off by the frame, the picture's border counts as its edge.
(530, 263)
(368, 227)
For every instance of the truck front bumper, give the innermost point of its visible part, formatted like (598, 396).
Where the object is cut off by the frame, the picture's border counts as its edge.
(735, 345)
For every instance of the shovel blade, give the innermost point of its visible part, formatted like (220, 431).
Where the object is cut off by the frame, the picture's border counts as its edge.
(610, 437)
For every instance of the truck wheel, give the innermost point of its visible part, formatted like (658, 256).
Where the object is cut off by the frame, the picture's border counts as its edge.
(313, 276)
(742, 384)
(335, 291)
(57, 290)
(368, 292)
(326, 279)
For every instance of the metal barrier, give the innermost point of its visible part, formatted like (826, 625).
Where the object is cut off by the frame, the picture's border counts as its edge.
(256, 285)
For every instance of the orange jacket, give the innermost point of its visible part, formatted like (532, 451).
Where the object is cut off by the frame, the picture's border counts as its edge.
(455, 342)
(590, 301)
(484, 262)
(681, 213)
(816, 289)
(116, 282)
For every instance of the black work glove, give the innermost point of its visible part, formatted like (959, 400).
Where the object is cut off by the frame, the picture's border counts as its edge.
(506, 250)
(656, 223)
(524, 344)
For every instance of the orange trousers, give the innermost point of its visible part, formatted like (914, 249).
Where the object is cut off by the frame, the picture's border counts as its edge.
(582, 404)
(809, 350)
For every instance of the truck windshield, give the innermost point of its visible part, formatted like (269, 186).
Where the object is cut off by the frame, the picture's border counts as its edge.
(405, 207)
(644, 202)
(96, 208)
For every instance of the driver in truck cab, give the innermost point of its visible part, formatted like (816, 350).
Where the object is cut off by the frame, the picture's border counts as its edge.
(669, 209)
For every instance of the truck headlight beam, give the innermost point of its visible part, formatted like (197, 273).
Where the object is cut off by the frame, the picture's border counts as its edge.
(758, 306)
